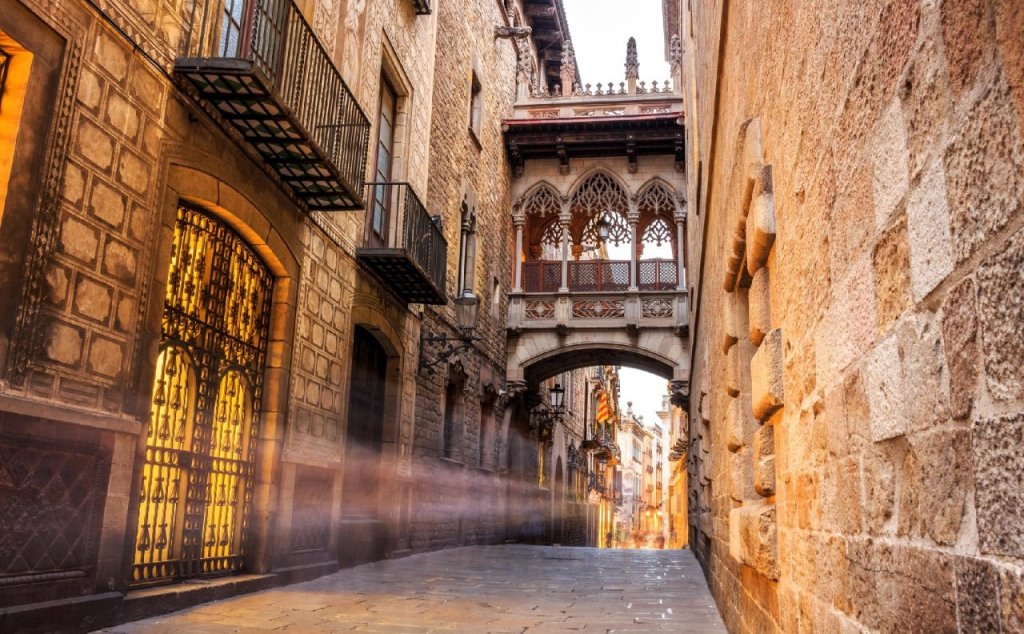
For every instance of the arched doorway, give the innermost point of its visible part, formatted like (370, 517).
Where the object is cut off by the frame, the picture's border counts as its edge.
(365, 432)
(196, 486)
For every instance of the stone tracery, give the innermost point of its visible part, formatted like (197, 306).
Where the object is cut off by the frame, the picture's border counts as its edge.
(650, 218)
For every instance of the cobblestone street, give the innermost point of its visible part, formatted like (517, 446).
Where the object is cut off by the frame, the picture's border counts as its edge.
(477, 589)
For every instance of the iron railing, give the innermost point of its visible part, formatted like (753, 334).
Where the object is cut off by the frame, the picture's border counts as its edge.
(657, 275)
(420, 236)
(282, 46)
(599, 275)
(542, 276)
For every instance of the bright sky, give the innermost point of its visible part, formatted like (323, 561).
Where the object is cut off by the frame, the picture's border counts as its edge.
(600, 30)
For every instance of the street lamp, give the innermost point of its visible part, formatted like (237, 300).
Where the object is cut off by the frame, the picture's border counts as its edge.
(557, 396)
(603, 227)
(467, 306)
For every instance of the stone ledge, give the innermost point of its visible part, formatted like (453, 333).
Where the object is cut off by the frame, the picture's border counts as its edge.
(766, 380)
(147, 602)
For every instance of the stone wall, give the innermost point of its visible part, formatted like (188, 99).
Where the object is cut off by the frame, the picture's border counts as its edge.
(460, 500)
(857, 246)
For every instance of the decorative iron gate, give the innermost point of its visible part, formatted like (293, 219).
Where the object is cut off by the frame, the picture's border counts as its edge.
(204, 419)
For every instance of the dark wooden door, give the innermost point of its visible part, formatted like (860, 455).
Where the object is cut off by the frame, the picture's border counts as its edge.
(365, 425)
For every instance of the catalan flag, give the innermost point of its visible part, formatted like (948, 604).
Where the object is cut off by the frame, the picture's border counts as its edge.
(604, 410)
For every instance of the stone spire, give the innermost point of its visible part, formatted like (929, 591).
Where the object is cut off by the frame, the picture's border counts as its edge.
(675, 60)
(632, 66)
(568, 69)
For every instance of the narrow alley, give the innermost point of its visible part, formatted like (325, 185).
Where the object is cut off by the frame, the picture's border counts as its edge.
(512, 588)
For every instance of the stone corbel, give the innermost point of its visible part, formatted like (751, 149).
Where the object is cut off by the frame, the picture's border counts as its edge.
(502, 31)
(563, 156)
(631, 153)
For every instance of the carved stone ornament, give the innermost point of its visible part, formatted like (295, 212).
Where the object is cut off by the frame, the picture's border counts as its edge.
(632, 63)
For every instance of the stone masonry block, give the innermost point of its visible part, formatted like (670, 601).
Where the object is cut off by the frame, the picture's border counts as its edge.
(1011, 590)
(761, 222)
(999, 484)
(926, 381)
(740, 425)
(92, 299)
(884, 387)
(944, 477)
(766, 377)
(960, 341)
(106, 357)
(759, 306)
(95, 145)
(64, 344)
(891, 262)
(878, 484)
(889, 160)
(108, 205)
(1001, 320)
(753, 538)
(931, 244)
(741, 475)
(732, 370)
(983, 165)
(977, 592)
(764, 460)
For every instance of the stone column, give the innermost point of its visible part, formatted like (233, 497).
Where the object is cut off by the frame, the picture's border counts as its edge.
(634, 219)
(565, 219)
(518, 221)
(680, 219)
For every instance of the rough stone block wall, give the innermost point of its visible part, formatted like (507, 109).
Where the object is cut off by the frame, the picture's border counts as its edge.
(895, 134)
(459, 501)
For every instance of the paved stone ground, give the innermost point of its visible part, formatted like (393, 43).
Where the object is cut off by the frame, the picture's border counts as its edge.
(476, 589)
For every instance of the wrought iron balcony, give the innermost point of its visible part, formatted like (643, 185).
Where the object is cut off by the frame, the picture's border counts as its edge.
(404, 246)
(259, 67)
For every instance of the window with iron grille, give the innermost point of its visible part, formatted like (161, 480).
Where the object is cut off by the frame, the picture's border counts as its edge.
(5, 61)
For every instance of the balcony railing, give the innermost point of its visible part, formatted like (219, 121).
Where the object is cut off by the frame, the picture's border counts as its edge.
(657, 275)
(268, 76)
(542, 277)
(589, 276)
(598, 276)
(405, 248)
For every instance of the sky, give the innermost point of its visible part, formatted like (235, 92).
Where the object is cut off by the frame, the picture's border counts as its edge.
(600, 30)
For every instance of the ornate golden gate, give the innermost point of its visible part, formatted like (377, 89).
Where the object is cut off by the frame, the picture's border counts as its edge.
(201, 439)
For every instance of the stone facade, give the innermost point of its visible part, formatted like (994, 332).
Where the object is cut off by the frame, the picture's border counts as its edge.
(855, 170)
(110, 143)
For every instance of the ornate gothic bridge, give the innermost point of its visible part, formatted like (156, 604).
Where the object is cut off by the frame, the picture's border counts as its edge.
(600, 235)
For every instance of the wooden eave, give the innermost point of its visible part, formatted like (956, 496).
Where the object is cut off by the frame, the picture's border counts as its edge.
(586, 137)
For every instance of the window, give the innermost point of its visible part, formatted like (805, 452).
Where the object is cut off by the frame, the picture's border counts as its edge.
(495, 298)
(231, 28)
(379, 221)
(467, 249)
(454, 415)
(476, 106)
(484, 437)
(5, 59)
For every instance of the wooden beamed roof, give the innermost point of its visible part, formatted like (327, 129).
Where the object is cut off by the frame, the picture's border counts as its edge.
(550, 31)
(568, 138)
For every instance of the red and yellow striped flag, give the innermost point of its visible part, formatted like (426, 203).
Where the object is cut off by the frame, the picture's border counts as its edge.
(604, 410)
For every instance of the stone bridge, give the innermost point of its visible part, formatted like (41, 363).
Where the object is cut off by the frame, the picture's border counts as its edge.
(555, 332)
